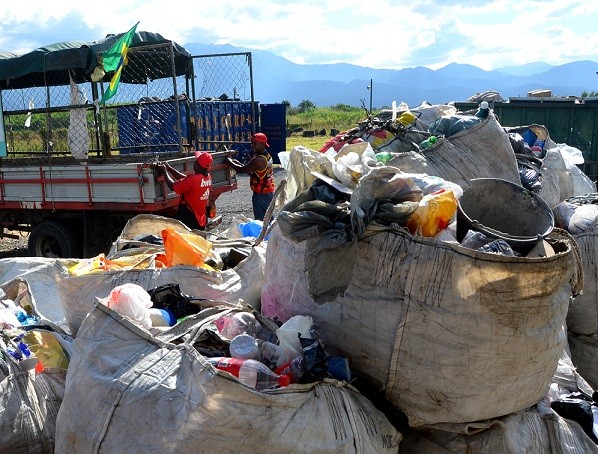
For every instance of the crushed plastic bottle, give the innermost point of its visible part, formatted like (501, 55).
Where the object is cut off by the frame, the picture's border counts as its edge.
(250, 372)
(230, 326)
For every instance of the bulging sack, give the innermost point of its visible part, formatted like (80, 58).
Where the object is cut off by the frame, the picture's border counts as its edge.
(482, 151)
(440, 328)
(119, 372)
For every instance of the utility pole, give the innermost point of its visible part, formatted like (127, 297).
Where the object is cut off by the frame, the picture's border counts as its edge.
(371, 89)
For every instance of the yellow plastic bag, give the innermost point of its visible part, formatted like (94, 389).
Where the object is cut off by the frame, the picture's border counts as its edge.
(184, 248)
(100, 263)
(87, 266)
(47, 349)
(434, 213)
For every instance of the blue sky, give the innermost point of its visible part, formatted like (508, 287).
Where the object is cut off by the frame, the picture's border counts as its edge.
(378, 34)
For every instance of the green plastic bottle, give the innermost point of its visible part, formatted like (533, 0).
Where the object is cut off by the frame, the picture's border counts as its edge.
(428, 142)
(384, 156)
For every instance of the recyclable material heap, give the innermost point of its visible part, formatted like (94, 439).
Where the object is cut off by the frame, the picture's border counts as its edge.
(416, 286)
(429, 288)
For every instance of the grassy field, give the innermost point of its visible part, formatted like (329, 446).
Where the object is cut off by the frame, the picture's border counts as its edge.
(339, 117)
(313, 143)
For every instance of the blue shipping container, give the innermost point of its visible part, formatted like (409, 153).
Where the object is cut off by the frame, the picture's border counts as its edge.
(152, 127)
(273, 119)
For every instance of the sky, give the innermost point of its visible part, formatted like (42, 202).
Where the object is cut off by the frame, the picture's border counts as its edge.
(380, 34)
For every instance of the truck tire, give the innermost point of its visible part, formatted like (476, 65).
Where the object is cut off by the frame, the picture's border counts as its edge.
(53, 239)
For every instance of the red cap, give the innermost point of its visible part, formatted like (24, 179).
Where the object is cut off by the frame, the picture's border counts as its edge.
(204, 158)
(260, 137)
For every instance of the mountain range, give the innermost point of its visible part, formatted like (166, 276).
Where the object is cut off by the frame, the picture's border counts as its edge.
(276, 79)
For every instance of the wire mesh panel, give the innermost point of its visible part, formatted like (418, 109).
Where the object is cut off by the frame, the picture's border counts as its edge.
(56, 120)
(149, 112)
(224, 112)
(166, 102)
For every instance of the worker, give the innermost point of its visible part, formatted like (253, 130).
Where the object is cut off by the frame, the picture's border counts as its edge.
(194, 190)
(261, 174)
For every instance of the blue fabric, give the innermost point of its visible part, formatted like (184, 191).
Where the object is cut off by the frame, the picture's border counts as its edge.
(260, 203)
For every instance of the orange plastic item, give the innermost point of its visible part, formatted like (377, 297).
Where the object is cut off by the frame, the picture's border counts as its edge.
(184, 248)
(434, 213)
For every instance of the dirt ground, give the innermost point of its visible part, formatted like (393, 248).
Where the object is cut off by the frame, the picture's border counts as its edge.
(229, 205)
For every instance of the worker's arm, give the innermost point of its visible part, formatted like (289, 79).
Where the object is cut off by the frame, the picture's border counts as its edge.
(174, 172)
(168, 171)
(255, 163)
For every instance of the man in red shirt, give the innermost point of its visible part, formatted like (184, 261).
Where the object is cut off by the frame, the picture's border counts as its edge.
(194, 190)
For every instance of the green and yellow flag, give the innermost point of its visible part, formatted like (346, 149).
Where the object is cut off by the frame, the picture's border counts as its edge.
(114, 59)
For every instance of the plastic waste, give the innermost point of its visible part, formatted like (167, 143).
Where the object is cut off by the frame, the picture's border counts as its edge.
(289, 345)
(8, 318)
(484, 110)
(406, 118)
(434, 213)
(250, 372)
(230, 326)
(251, 228)
(132, 301)
(450, 125)
(294, 369)
(244, 346)
(428, 142)
(268, 353)
(162, 317)
(384, 156)
(338, 367)
(480, 242)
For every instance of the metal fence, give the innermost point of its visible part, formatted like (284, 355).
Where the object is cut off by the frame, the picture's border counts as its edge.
(225, 111)
(155, 110)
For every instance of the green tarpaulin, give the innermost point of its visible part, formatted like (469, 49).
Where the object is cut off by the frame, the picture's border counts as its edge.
(50, 65)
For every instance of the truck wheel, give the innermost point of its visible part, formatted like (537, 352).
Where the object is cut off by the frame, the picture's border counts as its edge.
(53, 240)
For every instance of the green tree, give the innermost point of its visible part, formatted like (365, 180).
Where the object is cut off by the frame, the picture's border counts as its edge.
(590, 94)
(305, 105)
(287, 103)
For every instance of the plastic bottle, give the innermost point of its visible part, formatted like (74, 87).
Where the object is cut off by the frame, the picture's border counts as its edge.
(162, 317)
(294, 369)
(484, 110)
(428, 142)
(250, 372)
(238, 323)
(244, 346)
(384, 156)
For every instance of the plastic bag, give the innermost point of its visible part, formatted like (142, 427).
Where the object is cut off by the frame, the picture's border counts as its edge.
(434, 213)
(132, 301)
(184, 248)
(289, 345)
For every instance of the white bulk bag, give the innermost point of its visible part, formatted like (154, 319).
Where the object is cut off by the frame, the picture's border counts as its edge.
(483, 151)
(128, 391)
(442, 329)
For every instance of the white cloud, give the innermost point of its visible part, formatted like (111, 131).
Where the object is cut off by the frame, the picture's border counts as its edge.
(380, 34)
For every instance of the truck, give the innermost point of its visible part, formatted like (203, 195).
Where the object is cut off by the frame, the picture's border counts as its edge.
(74, 170)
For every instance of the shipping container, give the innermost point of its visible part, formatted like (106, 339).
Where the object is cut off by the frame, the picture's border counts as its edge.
(151, 126)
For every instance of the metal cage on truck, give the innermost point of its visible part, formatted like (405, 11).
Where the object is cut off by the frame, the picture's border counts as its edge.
(72, 171)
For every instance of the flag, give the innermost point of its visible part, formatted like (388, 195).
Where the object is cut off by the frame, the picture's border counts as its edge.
(114, 59)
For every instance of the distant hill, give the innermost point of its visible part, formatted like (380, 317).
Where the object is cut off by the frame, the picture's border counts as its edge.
(277, 79)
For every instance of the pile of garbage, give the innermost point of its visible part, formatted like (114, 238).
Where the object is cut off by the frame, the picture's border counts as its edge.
(428, 282)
